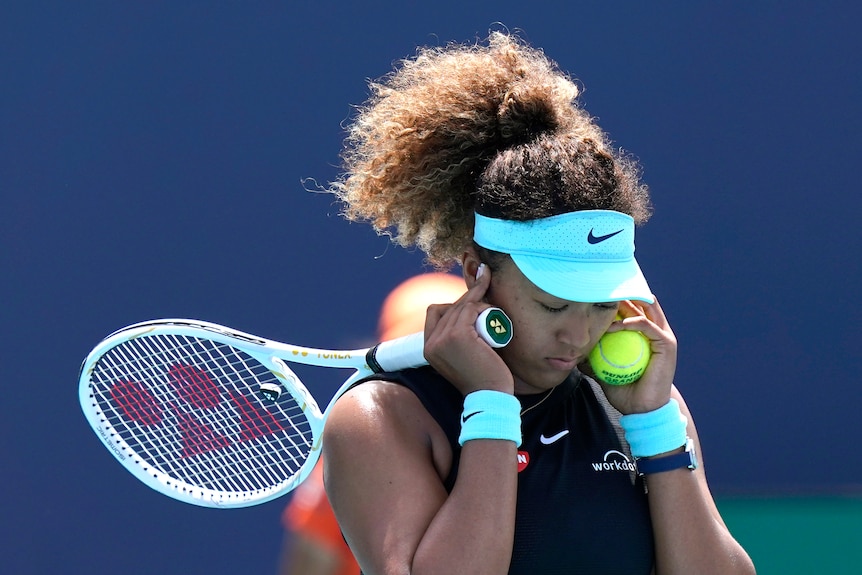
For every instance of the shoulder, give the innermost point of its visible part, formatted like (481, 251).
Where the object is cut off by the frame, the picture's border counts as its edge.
(371, 408)
(380, 417)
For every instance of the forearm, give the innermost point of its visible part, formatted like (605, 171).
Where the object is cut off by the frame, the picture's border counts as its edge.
(473, 532)
(690, 536)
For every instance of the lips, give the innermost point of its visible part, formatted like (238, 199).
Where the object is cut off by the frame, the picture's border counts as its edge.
(563, 363)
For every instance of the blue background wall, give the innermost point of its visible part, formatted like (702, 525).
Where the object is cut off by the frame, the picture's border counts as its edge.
(152, 160)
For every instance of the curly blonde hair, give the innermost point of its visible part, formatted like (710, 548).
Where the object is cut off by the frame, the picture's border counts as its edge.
(490, 128)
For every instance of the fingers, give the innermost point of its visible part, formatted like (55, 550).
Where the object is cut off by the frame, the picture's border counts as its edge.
(449, 313)
(457, 322)
(476, 292)
(457, 351)
(653, 389)
(641, 316)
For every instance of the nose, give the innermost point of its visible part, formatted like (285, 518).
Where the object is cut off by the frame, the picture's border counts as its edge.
(574, 329)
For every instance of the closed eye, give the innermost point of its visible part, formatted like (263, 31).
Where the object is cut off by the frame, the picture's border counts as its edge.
(551, 309)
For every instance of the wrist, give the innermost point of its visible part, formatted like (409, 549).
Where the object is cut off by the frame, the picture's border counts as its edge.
(656, 432)
(676, 451)
(501, 384)
(681, 458)
(490, 414)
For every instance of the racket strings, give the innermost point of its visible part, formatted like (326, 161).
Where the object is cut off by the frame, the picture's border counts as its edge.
(226, 464)
(190, 408)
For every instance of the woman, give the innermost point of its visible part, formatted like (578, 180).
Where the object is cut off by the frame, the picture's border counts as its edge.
(512, 460)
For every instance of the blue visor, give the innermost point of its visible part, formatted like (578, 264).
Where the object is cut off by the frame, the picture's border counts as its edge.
(586, 256)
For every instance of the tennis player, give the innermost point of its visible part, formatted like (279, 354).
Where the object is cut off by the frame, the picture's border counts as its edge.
(514, 460)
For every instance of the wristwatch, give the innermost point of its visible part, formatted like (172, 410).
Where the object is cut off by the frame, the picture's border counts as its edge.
(687, 458)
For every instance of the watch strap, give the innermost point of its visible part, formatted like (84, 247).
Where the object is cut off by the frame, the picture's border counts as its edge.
(648, 466)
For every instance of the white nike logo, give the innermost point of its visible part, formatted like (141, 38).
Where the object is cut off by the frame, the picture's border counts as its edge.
(553, 438)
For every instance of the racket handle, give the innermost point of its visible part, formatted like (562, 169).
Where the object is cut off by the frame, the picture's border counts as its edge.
(492, 325)
(495, 327)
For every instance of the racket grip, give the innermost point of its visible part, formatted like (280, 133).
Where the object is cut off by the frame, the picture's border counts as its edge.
(492, 325)
(495, 327)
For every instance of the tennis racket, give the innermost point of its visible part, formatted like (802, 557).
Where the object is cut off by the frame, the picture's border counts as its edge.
(215, 417)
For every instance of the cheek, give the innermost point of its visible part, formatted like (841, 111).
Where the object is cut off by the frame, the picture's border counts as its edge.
(523, 326)
(531, 337)
(519, 353)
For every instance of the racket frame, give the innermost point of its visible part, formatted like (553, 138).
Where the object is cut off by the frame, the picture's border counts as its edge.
(393, 355)
(275, 357)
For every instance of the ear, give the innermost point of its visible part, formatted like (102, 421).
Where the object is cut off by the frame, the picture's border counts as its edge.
(470, 265)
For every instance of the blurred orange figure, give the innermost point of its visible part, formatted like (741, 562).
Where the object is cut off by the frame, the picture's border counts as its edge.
(313, 542)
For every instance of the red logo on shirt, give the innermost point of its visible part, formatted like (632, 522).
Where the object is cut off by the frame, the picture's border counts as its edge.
(523, 460)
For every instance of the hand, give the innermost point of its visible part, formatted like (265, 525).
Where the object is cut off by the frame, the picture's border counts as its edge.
(455, 349)
(653, 389)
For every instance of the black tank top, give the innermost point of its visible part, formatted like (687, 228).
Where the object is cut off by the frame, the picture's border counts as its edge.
(581, 507)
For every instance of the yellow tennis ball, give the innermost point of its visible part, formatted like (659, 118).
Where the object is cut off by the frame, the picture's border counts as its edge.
(621, 357)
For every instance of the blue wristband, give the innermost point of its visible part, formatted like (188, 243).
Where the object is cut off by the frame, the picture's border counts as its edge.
(655, 432)
(491, 415)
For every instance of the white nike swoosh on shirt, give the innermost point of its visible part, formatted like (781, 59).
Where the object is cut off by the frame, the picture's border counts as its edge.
(553, 438)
